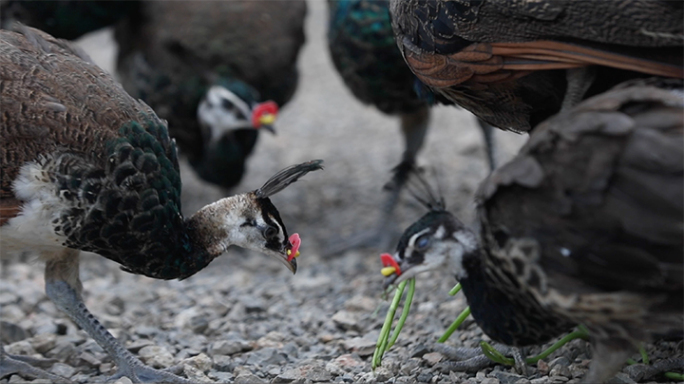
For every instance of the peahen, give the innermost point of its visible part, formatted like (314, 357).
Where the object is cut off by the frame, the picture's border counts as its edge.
(216, 70)
(584, 226)
(87, 167)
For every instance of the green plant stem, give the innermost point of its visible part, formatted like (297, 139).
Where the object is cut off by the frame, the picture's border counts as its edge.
(646, 360)
(496, 356)
(457, 323)
(644, 355)
(455, 289)
(381, 345)
(404, 313)
(579, 333)
(674, 376)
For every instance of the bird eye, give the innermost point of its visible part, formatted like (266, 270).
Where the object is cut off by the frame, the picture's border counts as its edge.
(423, 242)
(270, 232)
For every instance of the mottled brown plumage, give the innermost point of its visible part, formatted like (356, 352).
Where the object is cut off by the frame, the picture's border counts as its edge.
(506, 61)
(584, 226)
(55, 99)
(597, 195)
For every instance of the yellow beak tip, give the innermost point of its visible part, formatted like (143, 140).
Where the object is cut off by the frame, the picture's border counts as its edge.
(267, 119)
(388, 271)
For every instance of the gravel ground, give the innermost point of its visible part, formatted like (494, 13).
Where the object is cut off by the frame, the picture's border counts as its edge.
(245, 319)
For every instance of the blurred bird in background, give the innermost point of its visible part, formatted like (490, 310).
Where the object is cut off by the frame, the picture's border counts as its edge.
(217, 71)
(365, 54)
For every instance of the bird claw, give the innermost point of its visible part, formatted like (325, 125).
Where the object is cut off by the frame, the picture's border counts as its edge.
(401, 175)
(473, 360)
(471, 365)
(641, 372)
(22, 365)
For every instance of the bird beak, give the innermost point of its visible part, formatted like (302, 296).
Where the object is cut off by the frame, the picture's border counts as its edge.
(290, 264)
(390, 270)
(292, 252)
(266, 122)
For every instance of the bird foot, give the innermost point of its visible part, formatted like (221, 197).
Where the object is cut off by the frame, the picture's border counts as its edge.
(473, 360)
(641, 372)
(139, 373)
(462, 359)
(401, 174)
(24, 366)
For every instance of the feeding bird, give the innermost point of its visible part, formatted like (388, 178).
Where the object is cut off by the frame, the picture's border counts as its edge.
(584, 226)
(516, 63)
(85, 167)
(365, 54)
(218, 71)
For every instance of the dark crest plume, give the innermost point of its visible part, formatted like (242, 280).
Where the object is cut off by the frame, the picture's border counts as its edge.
(287, 176)
(422, 191)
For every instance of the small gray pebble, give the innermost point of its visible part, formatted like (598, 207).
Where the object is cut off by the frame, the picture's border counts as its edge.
(490, 380)
(61, 369)
(249, 378)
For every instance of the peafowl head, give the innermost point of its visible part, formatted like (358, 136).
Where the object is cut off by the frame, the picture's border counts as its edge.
(438, 240)
(251, 221)
(230, 106)
(230, 118)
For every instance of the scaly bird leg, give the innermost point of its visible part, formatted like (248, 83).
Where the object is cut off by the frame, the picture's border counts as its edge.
(520, 364)
(579, 81)
(490, 144)
(414, 127)
(63, 287)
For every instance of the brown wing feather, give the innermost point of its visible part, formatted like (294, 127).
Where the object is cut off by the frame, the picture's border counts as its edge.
(601, 189)
(54, 100)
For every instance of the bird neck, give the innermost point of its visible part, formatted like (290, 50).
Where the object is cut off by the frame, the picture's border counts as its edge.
(203, 237)
(215, 227)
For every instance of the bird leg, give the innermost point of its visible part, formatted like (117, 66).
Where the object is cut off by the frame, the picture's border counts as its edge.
(520, 364)
(414, 126)
(490, 144)
(579, 81)
(63, 287)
